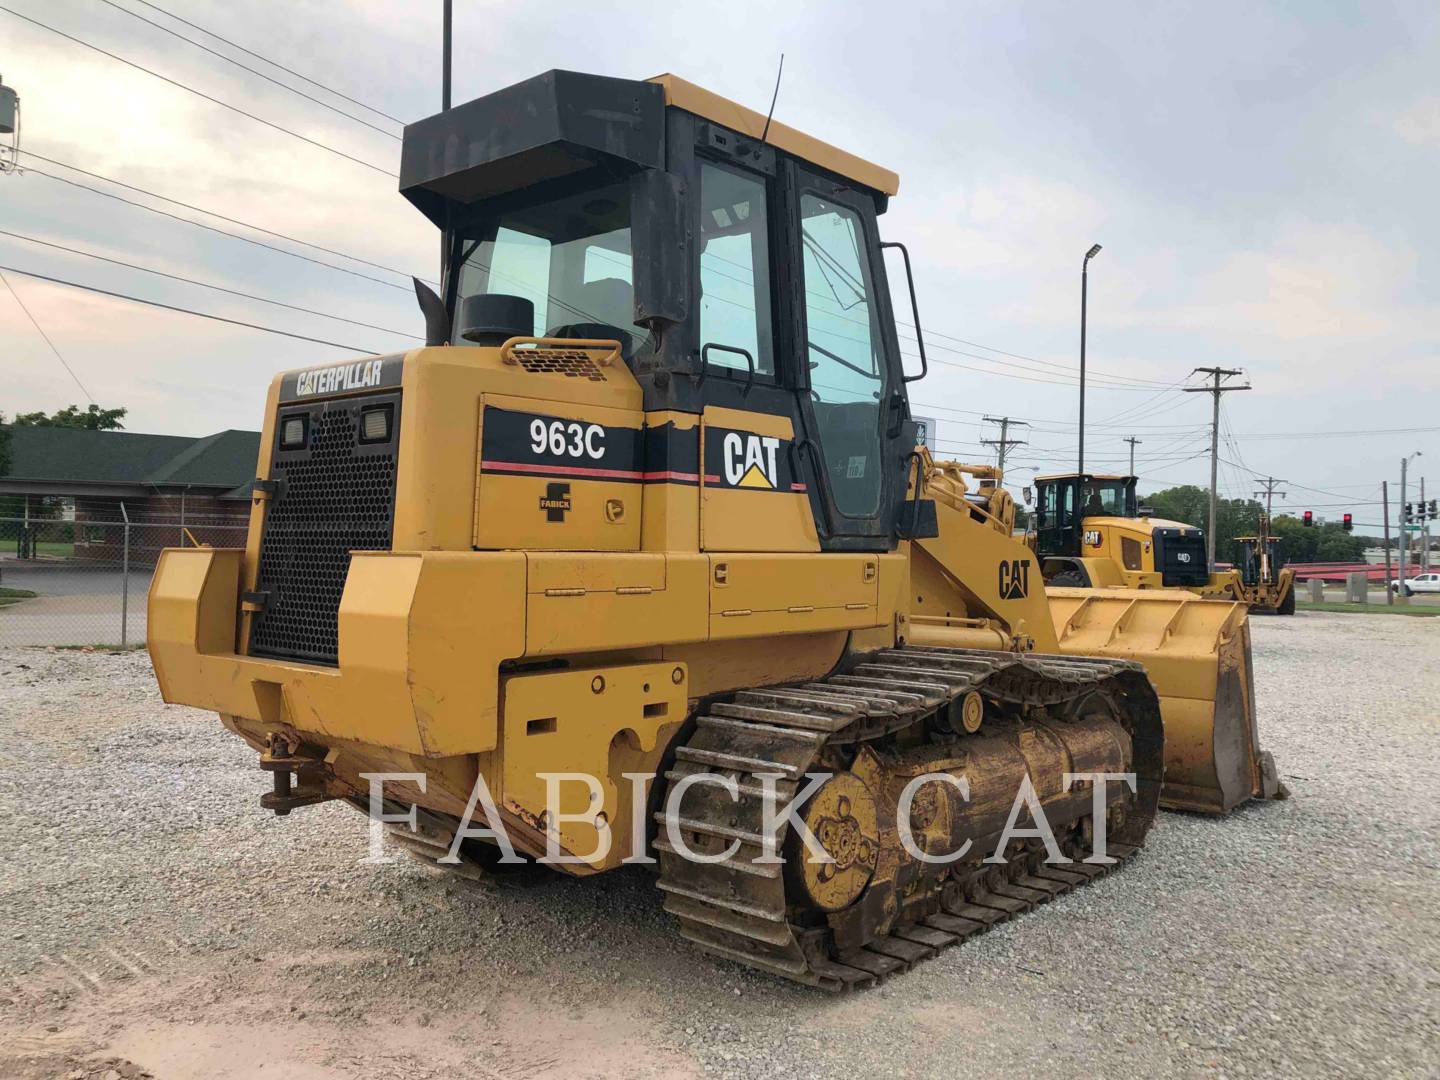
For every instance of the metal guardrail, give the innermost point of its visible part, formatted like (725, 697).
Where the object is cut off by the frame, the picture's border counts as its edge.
(76, 583)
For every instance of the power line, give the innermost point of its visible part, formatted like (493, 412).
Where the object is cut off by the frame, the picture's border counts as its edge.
(272, 63)
(186, 311)
(41, 330)
(1089, 374)
(201, 94)
(1335, 434)
(252, 71)
(1063, 369)
(214, 229)
(217, 215)
(1218, 374)
(1026, 378)
(205, 284)
(1004, 442)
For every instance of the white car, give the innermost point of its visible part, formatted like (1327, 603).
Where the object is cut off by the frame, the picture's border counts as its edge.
(1422, 583)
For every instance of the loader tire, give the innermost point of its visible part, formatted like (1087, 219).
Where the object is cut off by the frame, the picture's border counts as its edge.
(1287, 606)
(1069, 579)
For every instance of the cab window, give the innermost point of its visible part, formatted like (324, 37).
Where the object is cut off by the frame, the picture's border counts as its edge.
(735, 269)
(842, 344)
(569, 256)
(1057, 505)
(1104, 498)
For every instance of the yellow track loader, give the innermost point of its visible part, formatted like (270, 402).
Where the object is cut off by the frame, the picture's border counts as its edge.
(1090, 533)
(639, 546)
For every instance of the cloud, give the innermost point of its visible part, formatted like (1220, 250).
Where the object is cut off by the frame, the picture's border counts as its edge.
(1419, 124)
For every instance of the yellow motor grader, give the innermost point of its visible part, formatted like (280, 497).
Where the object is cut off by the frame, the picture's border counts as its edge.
(641, 540)
(1091, 533)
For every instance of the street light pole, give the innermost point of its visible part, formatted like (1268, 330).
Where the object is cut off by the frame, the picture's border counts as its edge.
(1084, 291)
(446, 21)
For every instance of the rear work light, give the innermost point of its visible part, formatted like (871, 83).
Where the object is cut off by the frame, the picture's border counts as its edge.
(375, 424)
(292, 433)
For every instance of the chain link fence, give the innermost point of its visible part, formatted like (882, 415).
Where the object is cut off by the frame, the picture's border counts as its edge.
(84, 582)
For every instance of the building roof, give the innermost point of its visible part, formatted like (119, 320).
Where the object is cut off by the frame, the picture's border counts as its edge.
(61, 459)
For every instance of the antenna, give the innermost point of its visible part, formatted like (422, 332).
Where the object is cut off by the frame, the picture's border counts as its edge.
(9, 125)
(773, 98)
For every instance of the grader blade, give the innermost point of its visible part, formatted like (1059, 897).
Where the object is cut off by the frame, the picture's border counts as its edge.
(1197, 653)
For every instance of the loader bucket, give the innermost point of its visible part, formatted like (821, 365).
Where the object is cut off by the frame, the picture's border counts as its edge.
(1197, 653)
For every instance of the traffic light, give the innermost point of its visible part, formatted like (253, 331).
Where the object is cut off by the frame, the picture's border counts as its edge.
(1407, 514)
(1347, 523)
(1308, 519)
(1433, 511)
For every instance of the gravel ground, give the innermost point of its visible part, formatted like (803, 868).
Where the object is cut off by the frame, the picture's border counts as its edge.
(157, 922)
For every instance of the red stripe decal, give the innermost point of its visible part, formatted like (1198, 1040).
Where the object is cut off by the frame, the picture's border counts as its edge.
(689, 477)
(561, 470)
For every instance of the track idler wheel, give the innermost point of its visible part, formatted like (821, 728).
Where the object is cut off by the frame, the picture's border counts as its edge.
(842, 817)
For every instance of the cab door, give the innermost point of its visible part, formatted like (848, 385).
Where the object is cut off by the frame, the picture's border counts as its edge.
(852, 413)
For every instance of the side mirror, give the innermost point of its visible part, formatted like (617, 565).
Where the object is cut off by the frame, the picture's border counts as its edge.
(914, 310)
(1146, 511)
(1028, 494)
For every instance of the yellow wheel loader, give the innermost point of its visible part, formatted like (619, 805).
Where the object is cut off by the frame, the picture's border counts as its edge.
(639, 547)
(1090, 533)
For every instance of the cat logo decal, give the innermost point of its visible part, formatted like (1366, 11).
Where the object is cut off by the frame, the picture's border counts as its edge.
(1014, 579)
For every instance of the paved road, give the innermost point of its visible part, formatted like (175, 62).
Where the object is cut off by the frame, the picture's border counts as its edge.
(77, 605)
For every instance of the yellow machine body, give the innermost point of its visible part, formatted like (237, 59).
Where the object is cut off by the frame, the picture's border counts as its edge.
(555, 545)
(426, 629)
(1196, 650)
(1127, 550)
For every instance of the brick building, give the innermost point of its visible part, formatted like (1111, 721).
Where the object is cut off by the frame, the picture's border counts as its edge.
(175, 490)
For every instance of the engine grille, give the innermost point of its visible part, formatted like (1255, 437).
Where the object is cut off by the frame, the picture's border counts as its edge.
(334, 496)
(1180, 557)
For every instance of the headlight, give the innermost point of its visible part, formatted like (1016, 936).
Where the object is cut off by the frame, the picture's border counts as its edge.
(375, 424)
(292, 433)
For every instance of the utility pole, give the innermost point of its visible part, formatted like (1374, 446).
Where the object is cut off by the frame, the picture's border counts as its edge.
(1003, 443)
(1134, 442)
(1404, 524)
(1424, 531)
(1270, 485)
(1385, 515)
(1216, 373)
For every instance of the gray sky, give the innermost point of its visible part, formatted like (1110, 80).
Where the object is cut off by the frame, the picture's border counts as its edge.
(1263, 179)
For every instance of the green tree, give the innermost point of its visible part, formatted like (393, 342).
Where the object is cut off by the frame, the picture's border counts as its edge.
(94, 418)
(1318, 543)
(1190, 505)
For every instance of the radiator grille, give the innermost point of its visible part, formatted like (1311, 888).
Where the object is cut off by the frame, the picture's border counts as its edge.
(1180, 557)
(335, 496)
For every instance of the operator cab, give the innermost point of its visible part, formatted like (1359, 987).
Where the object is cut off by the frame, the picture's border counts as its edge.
(1063, 502)
(736, 260)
